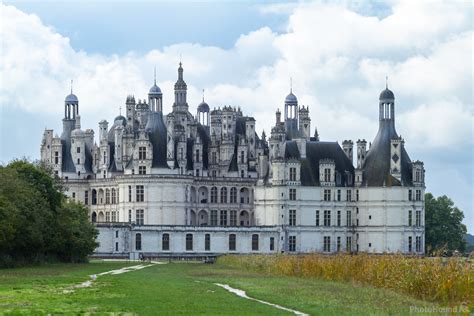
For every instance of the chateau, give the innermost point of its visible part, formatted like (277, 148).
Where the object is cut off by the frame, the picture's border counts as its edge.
(179, 183)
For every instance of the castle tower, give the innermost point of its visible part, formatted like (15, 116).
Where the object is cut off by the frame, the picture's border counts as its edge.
(291, 115)
(305, 123)
(155, 97)
(180, 91)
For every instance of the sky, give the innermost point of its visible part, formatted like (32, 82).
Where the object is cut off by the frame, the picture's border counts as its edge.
(338, 54)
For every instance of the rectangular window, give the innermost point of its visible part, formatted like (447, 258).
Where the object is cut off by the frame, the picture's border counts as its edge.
(138, 241)
(338, 244)
(233, 218)
(213, 218)
(317, 217)
(254, 242)
(140, 193)
(348, 243)
(223, 218)
(410, 249)
(207, 242)
(410, 195)
(418, 219)
(292, 174)
(327, 243)
(165, 242)
(116, 246)
(107, 196)
(140, 217)
(86, 197)
(338, 195)
(107, 216)
(272, 243)
(292, 218)
(233, 195)
(141, 169)
(141, 153)
(189, 242)
(327, 218)
(357, 195)
(327, 175)
(348, 218)
(338, 218)
(410, 218)
(418, 244)
(198, 155)
(129, 216)
(292, 194)
(232, 242)
(349, 195)
(130, 193)
(114, 216)
(56, 157)
(418, 195)
(214, 157)
(327, 195)
(292, 243)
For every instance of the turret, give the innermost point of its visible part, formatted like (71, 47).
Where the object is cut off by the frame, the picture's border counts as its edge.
(155, 98)
(291, 114)
(347, 146)
(361, 152)
(180, 91)
(305, 122)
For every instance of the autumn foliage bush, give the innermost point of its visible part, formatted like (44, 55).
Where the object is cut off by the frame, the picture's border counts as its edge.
(444, 280)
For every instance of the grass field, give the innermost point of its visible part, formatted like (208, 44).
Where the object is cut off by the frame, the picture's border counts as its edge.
(185, 288)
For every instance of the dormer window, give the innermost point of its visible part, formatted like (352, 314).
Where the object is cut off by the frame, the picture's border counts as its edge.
(141, 153)
(327, 175)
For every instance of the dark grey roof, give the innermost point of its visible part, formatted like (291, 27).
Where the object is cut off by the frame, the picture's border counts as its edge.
(157, 135)
(376, 168)
(315, 151)
(203, 107)
(387, 95)
(205, 139)
(155, 90)
(72, 98)
(67, 163)
(291, 150)
(291, 98)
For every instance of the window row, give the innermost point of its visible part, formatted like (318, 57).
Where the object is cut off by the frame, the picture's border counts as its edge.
(417, 196)
(417, 218)
(221, 218)
(189, 242)
(327, 245)
(101, 196)
(323, 219)
(107, 217)
(222, 195)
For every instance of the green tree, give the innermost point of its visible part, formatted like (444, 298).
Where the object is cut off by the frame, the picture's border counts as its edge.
(443, 224)
(37, 221)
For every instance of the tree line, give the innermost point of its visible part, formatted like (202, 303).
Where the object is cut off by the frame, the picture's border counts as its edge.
(37, 221)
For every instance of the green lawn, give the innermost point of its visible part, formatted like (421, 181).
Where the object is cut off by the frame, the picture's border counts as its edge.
(184, 288)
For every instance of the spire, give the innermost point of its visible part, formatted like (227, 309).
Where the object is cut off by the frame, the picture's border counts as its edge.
(154, 75)
(71, 86)
(386, 82)
(291, 85)
(203, 95)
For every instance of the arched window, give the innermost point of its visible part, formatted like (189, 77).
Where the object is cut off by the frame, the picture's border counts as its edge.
(94, 197)
(255, 242)
(233, 195)
(138, 241)
(114, 196)
(213, 195)
(224, 195)
(244, 195)
(189, 242)
(232, 242)
(107, 196)
(94, 217)
(165, 242)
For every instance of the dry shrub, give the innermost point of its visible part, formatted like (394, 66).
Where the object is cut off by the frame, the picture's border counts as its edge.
(444, 280)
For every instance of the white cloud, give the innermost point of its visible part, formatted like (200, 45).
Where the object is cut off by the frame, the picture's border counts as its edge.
(338, 59)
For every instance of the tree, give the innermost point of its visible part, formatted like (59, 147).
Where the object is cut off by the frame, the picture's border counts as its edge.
(443, 224)
(37, 222)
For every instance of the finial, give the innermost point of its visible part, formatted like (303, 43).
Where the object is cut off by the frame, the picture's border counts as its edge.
(386, 82)
(202, 95)
(155, 75)
(291, 85)
(180, 59)
(71, 86)
(120, 110)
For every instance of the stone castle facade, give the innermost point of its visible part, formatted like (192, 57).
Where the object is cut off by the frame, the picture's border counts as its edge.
(209, 184)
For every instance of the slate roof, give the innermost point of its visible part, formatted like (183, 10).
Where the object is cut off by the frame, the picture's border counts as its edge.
(157, 135)
(376, 168)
